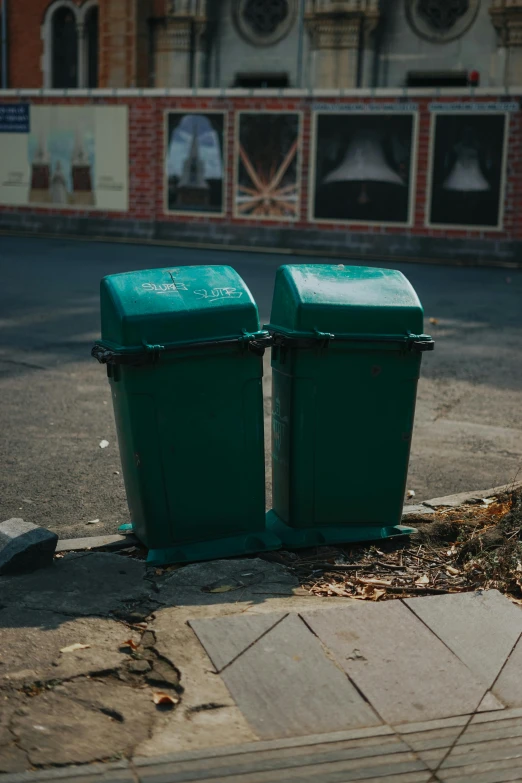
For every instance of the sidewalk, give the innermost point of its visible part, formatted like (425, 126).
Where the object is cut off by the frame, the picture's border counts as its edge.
(229, 670)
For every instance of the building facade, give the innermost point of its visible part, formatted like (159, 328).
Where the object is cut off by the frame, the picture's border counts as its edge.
(314, 44)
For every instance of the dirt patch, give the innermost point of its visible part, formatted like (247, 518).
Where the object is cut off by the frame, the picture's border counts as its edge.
(469, 548)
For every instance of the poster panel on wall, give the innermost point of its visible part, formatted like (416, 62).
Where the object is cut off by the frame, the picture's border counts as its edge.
(267, 165)
(194, 162)
(467, 170)
(67, 157)
(363, 167)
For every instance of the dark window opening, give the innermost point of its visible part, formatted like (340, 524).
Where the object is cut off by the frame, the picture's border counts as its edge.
(437, 79)
(91, 40)
(261, 80)
(2, 54)
(64, 50)
(264, 18)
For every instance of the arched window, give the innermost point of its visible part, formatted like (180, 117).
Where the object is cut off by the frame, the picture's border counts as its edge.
(64, 42)
(70, 34)
(91, 45)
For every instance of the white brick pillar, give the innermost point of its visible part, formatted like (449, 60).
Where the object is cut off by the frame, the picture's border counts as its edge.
(339, 32)
(506, 16)
(180, 48)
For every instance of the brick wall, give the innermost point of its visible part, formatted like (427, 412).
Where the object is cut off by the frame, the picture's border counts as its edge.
(148, 218)
(25, 45)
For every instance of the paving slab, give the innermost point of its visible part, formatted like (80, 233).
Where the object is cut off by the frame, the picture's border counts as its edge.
(403, 669)
(489, 703)
(480, 628)
(286, 686)
(508, 687)
(491, 730)
(226, 638)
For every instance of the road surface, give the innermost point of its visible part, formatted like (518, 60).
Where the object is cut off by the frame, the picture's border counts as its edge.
(56, 408)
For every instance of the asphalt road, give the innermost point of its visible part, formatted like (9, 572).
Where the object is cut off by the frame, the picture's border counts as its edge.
(55, 405)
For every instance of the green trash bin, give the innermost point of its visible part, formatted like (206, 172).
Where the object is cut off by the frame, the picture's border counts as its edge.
(345, 361)
(183, 350)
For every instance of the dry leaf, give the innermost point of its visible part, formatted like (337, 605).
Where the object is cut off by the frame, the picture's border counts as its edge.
(130, 643)
(74, 647)
(378, 594)
(160, 697)
(336, 590)
(423, 580)
(434, 321)
(452, 571)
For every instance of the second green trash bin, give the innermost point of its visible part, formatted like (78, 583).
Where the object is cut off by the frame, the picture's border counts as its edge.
(183, 350)
(346, 360)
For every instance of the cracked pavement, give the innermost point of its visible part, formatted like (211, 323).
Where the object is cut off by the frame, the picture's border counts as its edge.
(132, 622)
(247, 661)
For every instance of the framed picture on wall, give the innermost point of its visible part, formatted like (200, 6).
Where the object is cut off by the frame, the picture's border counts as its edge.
(467, 169)
(363, 167)
(195, 169)
(66, 157)
(267, 175)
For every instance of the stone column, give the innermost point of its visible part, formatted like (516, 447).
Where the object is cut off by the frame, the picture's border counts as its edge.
(82, 56)
(506, 16)
(173, 54)
(117, 43)
(371, 21)
(200, 30)
(180, 45)
(338, 33)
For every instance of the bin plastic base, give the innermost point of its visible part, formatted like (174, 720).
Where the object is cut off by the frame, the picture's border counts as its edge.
(298, 538)
(234, 546)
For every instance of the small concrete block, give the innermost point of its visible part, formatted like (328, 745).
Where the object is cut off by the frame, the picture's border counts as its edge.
(24, 546)
(113, 543)
(416, 511)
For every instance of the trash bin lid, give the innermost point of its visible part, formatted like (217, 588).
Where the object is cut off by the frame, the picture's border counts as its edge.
(344, 300)
(176, 305)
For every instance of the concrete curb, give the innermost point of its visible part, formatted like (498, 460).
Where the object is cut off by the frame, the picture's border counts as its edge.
(426, 508)
(469, 498)
(488, 262)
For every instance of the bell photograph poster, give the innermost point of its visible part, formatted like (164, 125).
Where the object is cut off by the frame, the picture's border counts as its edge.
(65, 157)
(363, 167)
(467, 169)
(194, 162)
(267, 165)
